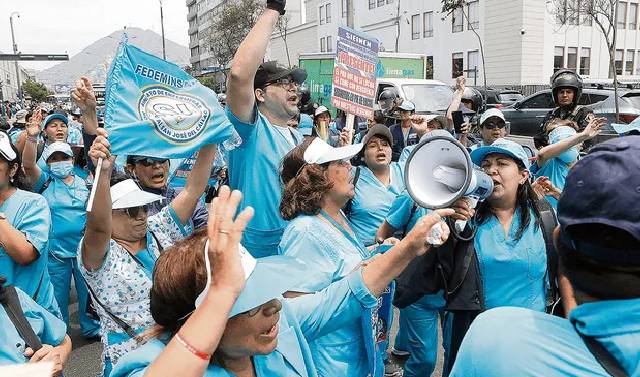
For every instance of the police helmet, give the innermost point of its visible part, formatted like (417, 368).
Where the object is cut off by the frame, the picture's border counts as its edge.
(388, 99)
(566, 78)
(475, 97)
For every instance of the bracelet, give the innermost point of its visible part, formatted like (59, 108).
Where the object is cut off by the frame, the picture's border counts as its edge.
(201, 355)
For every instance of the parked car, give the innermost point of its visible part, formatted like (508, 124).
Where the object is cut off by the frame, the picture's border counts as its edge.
(429, 96)
(526, 115)
(500, 98)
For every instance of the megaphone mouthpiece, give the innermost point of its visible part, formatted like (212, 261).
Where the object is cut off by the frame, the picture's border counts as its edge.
(453, 178)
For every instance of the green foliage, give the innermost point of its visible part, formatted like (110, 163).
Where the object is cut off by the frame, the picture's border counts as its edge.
(36, 90)
(450, 5)
(208, 81)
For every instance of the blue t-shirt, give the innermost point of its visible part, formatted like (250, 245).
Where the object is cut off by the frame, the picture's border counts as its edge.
(512, 270)
(254, 169)
(29, 213)
(556, 170)
(68, 212)
(49, 329)
(372, 201)
(519, 342)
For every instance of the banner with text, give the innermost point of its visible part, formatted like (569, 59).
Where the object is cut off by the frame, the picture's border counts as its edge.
(354, 73)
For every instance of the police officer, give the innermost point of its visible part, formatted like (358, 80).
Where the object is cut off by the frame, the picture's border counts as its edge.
(566, 90)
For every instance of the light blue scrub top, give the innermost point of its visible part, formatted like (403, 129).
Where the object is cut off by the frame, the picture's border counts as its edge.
(333, 256)
(29, 213)
(254, 169)
(556, 170)
(68, 213)
(50, 329)
(513, 271)
(518, 342)
(372, 201)
(302, 320)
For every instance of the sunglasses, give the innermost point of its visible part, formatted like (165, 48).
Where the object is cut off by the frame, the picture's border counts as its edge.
(492, 126)
(133, 212)
(146, 162)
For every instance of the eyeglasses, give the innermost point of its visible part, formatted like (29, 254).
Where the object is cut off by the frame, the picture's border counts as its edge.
(492, 125)
(133, 212)
(146, 162)
(284, 82)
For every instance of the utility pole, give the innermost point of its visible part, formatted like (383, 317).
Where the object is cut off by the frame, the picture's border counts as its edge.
(15, 51)
(350, 22)
(164, 53)
(398, 28)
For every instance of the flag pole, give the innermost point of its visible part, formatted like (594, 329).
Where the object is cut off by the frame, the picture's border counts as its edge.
(94, 186)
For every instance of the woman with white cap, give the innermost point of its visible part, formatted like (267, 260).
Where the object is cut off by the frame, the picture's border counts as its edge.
(265, 335)
(324, 128)
(66, 193)
(121, 245)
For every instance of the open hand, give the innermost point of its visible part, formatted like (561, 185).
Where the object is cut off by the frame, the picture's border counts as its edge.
(594, 127)
(33, 127)
(83, 94)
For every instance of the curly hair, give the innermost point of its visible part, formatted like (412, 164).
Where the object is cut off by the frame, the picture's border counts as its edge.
(304, 184)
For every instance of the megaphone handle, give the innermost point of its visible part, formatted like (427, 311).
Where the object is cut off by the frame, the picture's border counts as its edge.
(460, 224)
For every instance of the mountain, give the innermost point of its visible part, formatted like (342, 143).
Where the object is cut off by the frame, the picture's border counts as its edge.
(94, 60)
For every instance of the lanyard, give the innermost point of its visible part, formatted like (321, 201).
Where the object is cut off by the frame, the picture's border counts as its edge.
(358, 245)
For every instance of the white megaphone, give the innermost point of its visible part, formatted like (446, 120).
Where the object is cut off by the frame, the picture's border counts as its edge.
(439, 171)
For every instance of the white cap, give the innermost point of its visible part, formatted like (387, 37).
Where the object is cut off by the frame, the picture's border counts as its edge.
(493, 112)
(320, 110)
(5, 148)
(319, 152)
(127, 194)
(58, 146)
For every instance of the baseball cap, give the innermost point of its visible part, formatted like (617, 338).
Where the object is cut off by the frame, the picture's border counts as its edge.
(437, 118)
(493, 112)
(377, 130)
(7, 150)
(407, 105)
(320, 110)
(501, 146)
(127, 194)
(319, 152)
(57, 146)
(604, 188)
(271, 71)
(51, 117)
(20, 116)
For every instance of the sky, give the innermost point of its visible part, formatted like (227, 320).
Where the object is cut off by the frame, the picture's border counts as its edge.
(67, 26)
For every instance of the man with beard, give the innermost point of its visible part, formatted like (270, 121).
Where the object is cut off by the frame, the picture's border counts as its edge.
(261, 98)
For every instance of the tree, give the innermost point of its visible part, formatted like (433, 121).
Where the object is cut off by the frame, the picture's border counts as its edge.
(208, 81)
(36, 90)
(604, 13)
(282, 26)
(230, 24)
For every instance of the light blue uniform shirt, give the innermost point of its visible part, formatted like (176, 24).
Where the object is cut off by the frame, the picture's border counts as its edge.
(254, 169)
(372, 201)
(556, 170)
(302, 320)
(512, 271)
(29, 213)
(518, 342)
(68, 213)
(49, 329)
(333, 256)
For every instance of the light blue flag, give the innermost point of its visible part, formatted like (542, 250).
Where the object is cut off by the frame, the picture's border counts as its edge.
(154, 108)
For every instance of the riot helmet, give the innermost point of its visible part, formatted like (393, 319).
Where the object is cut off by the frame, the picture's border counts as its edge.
(566, 78)
(305, 104)
(475, 97)
(388, 99)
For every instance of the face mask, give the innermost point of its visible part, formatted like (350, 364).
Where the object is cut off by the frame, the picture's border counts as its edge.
(61, 169)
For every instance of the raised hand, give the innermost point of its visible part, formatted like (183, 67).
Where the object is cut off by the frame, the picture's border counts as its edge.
(594, 127)
(33, 127)
(460, 83)
(101, 149)
(83, 94)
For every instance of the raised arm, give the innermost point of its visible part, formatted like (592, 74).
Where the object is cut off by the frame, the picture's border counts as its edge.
(455, 101)
(84, 96)
(554, 150)
(97, 233)
(185, 203)
(30, 152)
(248, 57)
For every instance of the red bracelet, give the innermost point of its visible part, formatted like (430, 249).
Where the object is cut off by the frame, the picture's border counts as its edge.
(202, 355)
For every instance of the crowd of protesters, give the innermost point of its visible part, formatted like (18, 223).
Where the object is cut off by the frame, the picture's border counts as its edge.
(286, 270)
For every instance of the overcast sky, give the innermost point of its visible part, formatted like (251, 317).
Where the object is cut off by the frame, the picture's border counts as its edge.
(67, 26)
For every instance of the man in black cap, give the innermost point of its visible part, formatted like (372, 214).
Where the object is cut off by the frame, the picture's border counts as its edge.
(598, 241)
(261, 99)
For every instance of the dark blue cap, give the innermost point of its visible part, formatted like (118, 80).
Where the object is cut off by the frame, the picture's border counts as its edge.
(604, 188)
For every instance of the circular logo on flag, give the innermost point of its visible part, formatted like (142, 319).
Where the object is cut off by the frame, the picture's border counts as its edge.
(177, 117)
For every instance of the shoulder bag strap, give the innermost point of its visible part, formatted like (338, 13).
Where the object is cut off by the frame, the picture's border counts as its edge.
(548, 223)
(125, 326)
(11, 304)
(349, 205)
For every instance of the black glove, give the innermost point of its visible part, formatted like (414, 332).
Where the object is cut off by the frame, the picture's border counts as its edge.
(277, 5)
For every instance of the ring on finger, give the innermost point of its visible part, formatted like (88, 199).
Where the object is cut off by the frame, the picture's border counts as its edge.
(224, 231)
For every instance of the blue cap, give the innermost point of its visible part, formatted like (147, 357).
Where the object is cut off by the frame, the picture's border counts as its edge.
(604, 188)
(502, 146)
(52, 117)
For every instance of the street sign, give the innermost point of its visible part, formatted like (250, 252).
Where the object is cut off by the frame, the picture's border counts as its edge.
(354, 73)
(34, 57)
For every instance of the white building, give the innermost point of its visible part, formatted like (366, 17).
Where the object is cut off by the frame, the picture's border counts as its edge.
(9, 81)
(522, 39)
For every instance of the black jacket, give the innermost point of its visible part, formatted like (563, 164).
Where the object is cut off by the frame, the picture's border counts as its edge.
(398, 140)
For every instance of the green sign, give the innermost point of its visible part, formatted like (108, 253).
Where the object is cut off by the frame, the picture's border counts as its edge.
(402, 68)
(319, 80)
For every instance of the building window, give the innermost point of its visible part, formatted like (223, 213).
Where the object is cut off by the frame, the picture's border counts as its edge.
(628, 68)
(195, 52)
(372, 4)
(558, 58)
(429, 69)
(457, 64)
(587, 20)
(572, 58)
(323, 46)
(622, 15)
(381, 3)
(389, 1)
(585, 61)
(327, 9)
(633, 16)
(474, 16)
(457, 21)
(415, 26)
(619, 62)
(472, 64)
(345, 8)
(329, 44)
(427, 19)
(322, 19)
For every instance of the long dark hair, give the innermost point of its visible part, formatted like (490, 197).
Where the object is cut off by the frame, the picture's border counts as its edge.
(525, 200)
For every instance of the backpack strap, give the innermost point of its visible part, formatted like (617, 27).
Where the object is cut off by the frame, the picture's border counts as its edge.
(349, 206)
(11, 304)
(608, 362)
(414, 208)
(45, 185)
(548, 224)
